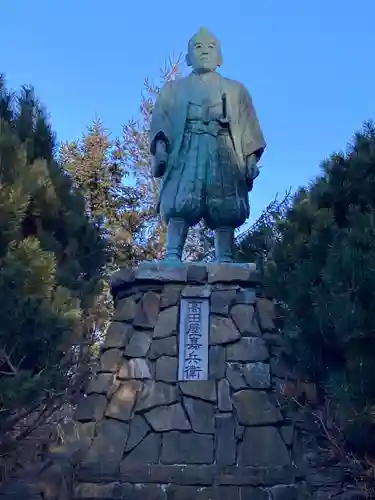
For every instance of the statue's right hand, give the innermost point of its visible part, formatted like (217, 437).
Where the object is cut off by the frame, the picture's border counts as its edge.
(160, 159)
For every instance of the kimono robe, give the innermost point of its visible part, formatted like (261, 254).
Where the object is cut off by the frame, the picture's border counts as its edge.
(205, 175)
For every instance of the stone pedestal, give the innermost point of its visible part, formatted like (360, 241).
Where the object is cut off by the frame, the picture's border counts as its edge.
(148, 435)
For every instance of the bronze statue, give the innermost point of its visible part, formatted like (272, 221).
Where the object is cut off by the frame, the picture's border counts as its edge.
(205, 141)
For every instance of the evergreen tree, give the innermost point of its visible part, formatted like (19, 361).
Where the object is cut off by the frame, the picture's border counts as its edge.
(256, 244)
(322, 270)
(51, 260)
(95, 163)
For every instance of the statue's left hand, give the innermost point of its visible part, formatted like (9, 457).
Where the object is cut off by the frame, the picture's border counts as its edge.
(252, 171)
(160, 159)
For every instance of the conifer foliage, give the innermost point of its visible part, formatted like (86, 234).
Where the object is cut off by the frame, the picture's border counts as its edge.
(96, 165)
(320, 265)
(51, 260)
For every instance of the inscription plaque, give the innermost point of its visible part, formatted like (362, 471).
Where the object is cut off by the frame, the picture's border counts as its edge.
(193, 342)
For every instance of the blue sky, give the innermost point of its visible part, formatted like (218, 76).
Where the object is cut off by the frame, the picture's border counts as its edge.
(309, 65)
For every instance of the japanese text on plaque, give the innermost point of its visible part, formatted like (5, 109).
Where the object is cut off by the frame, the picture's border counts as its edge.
(193, 369)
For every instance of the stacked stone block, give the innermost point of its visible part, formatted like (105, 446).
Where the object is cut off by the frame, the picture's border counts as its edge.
(151, 436)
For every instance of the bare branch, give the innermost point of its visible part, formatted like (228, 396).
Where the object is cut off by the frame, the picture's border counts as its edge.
(5, 358)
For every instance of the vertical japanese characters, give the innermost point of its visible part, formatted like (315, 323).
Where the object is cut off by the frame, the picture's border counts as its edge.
(194, 340)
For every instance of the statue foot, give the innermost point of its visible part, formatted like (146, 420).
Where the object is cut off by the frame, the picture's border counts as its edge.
(176, 235)
(172, 260)
(225, 260)
(224, 237)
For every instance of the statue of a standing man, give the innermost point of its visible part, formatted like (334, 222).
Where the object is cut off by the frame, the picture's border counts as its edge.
(205, 141)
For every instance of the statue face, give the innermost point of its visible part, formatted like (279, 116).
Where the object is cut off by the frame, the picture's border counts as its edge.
(204, 52)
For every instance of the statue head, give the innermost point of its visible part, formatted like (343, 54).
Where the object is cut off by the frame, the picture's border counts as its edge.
(204, 51)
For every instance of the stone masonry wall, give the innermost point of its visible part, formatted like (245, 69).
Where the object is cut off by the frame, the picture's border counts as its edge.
(139, 434)
(152, 437)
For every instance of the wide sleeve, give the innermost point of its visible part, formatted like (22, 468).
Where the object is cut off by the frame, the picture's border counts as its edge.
(252, 140)
(161, 125)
